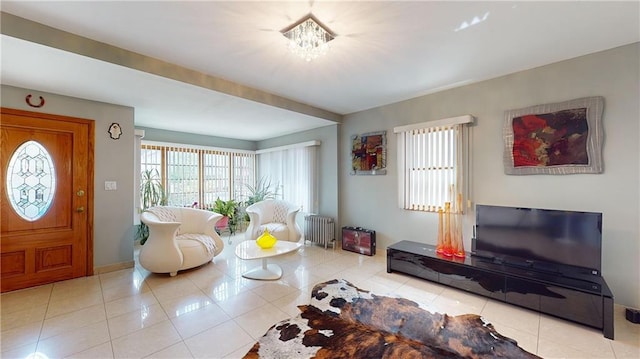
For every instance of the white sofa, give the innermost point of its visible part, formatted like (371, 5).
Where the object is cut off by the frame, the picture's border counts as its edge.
(179, 238)
(277, 216)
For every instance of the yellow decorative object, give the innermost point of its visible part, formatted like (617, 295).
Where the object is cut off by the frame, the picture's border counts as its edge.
(266, 240)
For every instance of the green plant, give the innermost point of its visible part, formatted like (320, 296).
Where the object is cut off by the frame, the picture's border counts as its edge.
(228, 209)
(263, 189)
(225, 208)
(152, 193)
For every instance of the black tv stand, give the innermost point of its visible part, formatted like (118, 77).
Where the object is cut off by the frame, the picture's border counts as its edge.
(515, 263)
(582, 299)
(521, 263)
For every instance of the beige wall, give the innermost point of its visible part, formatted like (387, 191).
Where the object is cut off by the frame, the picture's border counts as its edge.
(114, 161)
(371, 201)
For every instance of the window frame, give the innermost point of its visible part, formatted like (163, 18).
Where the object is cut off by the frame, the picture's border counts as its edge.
(202, 151)
(417, 189)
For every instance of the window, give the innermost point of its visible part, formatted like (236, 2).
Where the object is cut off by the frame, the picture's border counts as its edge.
(151, 159)
(192, 174)
(294, 170)
(433, 164)
(243, 173)
(216, 177)
(183, 177)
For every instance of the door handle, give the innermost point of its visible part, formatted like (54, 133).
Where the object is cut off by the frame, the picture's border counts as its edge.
(80, 209)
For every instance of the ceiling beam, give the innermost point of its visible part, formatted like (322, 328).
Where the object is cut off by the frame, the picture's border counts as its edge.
(32, 31)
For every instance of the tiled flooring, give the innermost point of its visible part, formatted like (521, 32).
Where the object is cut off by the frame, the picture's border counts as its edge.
(212, 312)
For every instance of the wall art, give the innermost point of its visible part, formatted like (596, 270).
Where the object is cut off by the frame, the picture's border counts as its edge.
(369, 153)
(556, 139)
(115, 131)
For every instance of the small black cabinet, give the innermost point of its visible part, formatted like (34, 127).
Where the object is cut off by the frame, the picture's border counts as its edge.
(585, 299)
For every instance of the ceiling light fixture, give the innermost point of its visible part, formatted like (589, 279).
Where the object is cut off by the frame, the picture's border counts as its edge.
(308, 37)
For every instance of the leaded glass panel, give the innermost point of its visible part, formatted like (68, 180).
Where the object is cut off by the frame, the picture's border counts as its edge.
(31, 180)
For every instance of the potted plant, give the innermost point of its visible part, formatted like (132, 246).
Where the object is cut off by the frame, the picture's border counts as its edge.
(261, 191)
(228, 209)
(152, 193)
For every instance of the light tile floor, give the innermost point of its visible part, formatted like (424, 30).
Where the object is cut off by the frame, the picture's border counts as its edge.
(212, 312)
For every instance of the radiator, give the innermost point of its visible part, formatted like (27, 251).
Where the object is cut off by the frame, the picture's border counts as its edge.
(319, 229)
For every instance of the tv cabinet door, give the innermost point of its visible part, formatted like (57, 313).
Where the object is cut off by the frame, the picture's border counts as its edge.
(523, 293)
(578, 306)
(561, 302)
(472, 280)
(409, 263)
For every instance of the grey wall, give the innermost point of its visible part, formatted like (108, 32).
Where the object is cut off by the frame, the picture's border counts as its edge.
(114, 161)
(154, 134)
(371, 201)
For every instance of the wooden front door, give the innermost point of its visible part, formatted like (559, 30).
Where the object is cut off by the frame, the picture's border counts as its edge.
(47, 183)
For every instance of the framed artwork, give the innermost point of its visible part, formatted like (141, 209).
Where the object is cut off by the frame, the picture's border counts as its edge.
(556, 139)
(369, 153)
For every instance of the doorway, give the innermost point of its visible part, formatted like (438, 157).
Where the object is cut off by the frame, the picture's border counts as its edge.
(47, 198)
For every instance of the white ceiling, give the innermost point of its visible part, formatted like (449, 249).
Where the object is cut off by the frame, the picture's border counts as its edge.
(384, 52)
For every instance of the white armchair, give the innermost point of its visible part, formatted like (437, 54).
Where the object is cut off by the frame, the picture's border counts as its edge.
(277, 216)
(179, 238)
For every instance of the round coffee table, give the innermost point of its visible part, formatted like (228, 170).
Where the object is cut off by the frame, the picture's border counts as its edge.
(250, 250)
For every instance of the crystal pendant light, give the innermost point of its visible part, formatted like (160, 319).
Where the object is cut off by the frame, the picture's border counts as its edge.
(308, 38)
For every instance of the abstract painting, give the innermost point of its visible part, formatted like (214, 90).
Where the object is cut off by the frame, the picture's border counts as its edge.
(369, 153)
(559, 138)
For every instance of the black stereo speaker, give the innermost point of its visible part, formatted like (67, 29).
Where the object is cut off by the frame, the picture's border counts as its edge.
(633, 315)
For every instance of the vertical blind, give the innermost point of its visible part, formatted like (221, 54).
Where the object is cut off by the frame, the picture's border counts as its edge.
(243, 173)
(294, 171)
(432, 164)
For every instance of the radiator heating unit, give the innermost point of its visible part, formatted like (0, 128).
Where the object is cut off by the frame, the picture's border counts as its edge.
(319, 229)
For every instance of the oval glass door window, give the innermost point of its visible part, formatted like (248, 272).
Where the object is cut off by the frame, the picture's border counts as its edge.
(31, 181)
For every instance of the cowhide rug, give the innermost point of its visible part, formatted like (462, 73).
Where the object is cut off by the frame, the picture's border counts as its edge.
(343, 321)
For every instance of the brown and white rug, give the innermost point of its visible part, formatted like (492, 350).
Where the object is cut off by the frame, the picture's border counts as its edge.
(343, 321)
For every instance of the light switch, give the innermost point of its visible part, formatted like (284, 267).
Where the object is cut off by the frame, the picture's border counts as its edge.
(110, 185)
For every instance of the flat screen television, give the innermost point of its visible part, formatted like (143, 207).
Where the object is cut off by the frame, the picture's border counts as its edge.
(539, 238)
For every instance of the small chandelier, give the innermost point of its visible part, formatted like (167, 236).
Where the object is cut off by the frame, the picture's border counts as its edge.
(308, 37)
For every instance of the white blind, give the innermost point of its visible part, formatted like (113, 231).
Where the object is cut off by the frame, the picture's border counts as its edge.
(294, 170)
(244, 172)
(432, 164)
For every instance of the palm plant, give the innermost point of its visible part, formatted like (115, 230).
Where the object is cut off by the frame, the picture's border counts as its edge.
(263, 189)
(152, 193)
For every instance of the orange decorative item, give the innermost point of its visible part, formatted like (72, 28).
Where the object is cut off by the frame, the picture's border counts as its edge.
(446, 249)
(266, 240)
(458, 245)
(440, 244)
